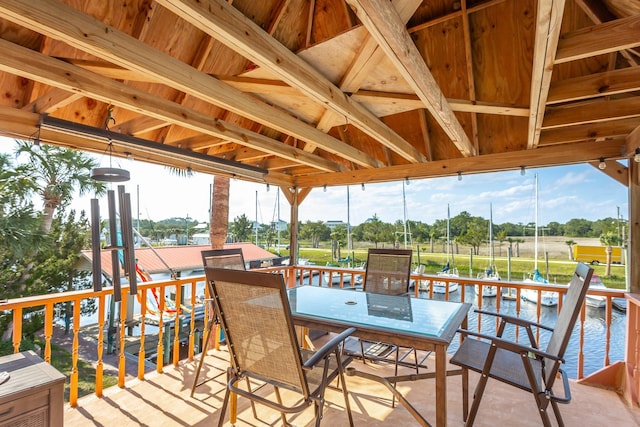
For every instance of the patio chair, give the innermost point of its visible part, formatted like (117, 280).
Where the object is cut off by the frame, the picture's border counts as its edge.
(217, 258)
(387, 272)
(255, 314)
(526, 367)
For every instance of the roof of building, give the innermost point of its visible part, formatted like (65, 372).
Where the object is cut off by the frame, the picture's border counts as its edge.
(176, 258)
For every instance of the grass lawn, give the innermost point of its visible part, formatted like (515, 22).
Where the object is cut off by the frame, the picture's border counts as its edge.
(560, 270)
(61, 360)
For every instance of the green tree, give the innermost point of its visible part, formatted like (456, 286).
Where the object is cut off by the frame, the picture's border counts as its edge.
(241, 228)
(555, 229)
(476, 232)
(338, 240)
(55, 268)
(375, 231)
(55, 174)
(578, 227)
(315, 232)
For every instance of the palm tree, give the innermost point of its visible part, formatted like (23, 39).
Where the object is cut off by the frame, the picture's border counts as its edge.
(219, 212)
(609, 239)
(55, 173)
(570, 243)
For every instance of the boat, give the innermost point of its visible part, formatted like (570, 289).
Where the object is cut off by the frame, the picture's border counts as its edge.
(335, 277)
(303, 262)
(423, 285)
(548, 298)
(491, 272)
(596, 301)
(449, 272)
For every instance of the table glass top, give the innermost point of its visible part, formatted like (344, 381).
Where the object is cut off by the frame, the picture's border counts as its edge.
(402, 313)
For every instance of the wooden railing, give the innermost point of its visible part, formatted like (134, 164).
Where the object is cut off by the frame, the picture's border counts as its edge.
(632, 355)
(165, 317)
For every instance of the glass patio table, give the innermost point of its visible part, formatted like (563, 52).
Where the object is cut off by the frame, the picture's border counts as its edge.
(423, 324)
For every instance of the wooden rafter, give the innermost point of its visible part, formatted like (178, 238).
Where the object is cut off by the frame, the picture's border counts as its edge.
(552, 155)
(548, 21)
(599, 39)
(75, 28)
(592, 112)
(222, 21)
(22, 61)
(598, 13)
(595, 85)
(385, 26)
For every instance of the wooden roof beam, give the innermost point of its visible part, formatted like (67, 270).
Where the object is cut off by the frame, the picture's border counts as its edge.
(548, 22)
(386, 27)
(408, 101)
(229, 26)
(599, 39)
(588, 131)
(61, 22)
(553, 155)
(614, 170)
(27, 63)
(592, 112)
(597, 11)
(595, 85)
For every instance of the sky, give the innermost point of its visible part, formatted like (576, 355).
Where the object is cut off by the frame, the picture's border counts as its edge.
(578, 191)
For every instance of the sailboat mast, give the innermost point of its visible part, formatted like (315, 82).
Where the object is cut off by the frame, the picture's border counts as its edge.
(278, 205)
(491, 253)
(448, 232)
(348, 229)
(535, 239)
(404, 206)
(256, 223)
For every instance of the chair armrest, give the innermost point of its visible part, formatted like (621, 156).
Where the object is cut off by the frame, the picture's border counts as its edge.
(329, 346)
(512, 346)
(514, 320)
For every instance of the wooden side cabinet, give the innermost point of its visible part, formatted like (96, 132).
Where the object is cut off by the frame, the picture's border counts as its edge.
(34, 394)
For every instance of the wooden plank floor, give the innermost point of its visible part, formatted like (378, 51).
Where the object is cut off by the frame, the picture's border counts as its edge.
(163, 400)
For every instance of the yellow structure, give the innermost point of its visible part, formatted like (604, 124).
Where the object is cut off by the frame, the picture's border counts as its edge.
(596, 254)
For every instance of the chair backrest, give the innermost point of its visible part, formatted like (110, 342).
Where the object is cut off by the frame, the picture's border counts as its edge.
(256, 317)
(388, 271)
(571, 306)
(224, 258)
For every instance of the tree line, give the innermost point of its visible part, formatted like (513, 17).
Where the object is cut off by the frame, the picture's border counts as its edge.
(465, 229)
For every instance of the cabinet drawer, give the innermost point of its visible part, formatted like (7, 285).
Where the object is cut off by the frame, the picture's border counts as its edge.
(18, 407)
(36, 418)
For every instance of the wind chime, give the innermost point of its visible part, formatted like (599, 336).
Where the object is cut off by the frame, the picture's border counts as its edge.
(120, 244)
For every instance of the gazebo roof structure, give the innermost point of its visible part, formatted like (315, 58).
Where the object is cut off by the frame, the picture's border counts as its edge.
(303, 94)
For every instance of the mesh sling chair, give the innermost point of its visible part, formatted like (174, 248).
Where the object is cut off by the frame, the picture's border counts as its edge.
(387, 272)
(255, 314)
(526, 367)
(217, 258)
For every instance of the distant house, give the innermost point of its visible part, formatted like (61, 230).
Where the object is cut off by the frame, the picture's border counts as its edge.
(279, 225)
(200, 239)
(333, 224)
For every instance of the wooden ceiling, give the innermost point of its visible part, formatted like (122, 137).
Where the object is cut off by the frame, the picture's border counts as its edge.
(328, 92)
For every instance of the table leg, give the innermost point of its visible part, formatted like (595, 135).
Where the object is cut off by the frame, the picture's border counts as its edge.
(441, 386)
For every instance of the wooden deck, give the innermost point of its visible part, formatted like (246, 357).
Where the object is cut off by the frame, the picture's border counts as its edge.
(163, 400)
